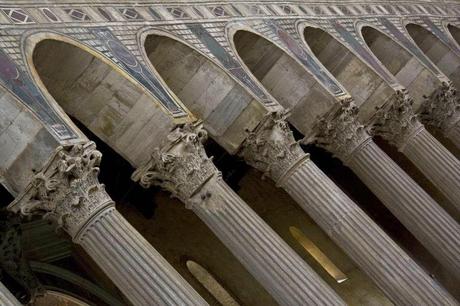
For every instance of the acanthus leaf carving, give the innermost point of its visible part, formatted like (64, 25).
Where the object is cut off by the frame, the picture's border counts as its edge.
(340, 131)
(181, 167)
(441, 110)
(67, 190)
(397, 122)
(271, 147)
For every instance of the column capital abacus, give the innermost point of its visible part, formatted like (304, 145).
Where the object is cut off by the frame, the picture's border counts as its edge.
(340, 131)
(441, 110)
(272, 149)
(396, 121)
(181, 166)
(67, 190)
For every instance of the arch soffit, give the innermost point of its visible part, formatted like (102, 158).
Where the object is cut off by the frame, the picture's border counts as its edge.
(445, 28)
(301, 25)
(30, 41)
(142, 37)
(233, 28)
(378, 28)
(406, 22)
(358, 27)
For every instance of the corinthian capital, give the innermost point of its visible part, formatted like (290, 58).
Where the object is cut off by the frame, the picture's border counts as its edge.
(442, 109)
(181, 166)
(340, 132)
(397, 122)
(67, 190)
(271, 148)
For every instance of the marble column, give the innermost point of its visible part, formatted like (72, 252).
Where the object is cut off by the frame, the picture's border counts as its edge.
(348, 140)
(182, 167)
(441, 111)
(398, 124)
(68, 192)
(7, 298)
(273, 150)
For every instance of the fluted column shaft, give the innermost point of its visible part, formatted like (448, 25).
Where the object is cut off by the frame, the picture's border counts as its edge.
(67, 191)
(7, 298)
(398, 124)
(272, 150)
(419, 213)
(393, 271)
(454, 135)
(183, 168)
(436, 162)
(133, 265)
(342, 134)
(269, 259)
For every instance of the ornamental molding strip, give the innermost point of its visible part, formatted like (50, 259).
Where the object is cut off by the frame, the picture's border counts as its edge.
(67, 190)
(181, 167)
(340, 131)
(272, 149)
(396, 121)
(442, 109)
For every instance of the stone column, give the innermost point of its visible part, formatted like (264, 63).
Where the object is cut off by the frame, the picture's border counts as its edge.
(342, 135)
(68, 192)
(442, 112)
(398, 124)
(183, 168)
(7, 298)
(14, 263)
(273, 150)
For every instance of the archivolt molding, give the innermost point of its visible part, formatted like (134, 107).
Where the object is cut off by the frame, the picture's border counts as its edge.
(282, 33)
(394, 29)
(105, 46)
(355, 45)
(455, 46)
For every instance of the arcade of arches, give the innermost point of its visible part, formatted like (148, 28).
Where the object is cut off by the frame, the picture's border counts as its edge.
(148, 159)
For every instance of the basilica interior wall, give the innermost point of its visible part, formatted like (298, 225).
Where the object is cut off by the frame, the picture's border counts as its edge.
(22, 136)
(438, 52)
(210, 94)
(366, 87)
(100, 97)
(407, 68)
(97, 91)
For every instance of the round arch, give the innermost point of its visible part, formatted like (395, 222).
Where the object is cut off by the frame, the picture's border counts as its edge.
(89, 87)
(204, 87)
(367, 88)
(439, 53)
(406, 67)
(293, 86)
